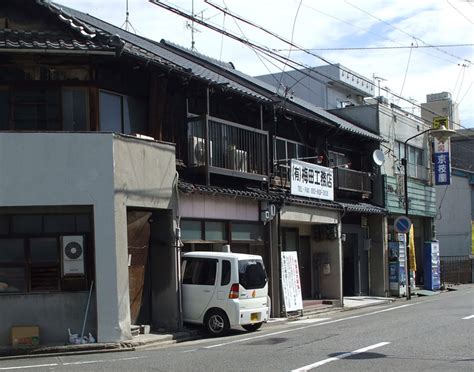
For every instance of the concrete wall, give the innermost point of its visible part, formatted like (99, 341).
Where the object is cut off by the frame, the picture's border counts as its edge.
(145, 177)
(304, 215)
(54, 313)
(61, 169)
(330, 284)
(218, 207)
(453, 223)
(67, 169)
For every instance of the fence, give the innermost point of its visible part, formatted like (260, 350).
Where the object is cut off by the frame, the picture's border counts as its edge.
(456, 269)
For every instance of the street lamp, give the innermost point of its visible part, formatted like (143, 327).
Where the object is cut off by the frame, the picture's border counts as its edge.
(440, 134)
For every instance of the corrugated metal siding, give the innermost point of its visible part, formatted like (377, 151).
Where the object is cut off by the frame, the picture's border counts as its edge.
(422, 198)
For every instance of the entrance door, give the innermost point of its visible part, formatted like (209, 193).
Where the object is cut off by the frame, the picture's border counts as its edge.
(350, 248)
(304, 255)
(138, 235)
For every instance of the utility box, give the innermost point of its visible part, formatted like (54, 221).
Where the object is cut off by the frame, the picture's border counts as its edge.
(25, 337)
(431, 265)
(397, 268)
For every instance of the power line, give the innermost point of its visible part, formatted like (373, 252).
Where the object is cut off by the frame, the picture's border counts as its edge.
(385, 47)
(459, 12)
(406, 71)
(292, 35)
(406, 33)
(269, 51)
(378, 35)
(273, 55)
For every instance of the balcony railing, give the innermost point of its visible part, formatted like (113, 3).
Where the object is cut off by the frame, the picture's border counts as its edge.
(233, 149)
(352, 180)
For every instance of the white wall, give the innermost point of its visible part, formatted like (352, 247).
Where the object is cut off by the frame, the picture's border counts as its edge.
(453, 223)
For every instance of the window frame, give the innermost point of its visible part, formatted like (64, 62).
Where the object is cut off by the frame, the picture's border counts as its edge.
(63, 284)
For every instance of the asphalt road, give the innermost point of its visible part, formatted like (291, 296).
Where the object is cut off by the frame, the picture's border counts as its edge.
(425, 334)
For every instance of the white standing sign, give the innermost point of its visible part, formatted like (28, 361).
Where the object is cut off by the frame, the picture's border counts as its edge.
(312, 181)
(290, 278)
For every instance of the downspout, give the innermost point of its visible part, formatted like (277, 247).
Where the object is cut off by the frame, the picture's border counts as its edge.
(178, 245)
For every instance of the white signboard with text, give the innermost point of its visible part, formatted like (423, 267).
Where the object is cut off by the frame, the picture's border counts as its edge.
(290, 280)
(312, 181)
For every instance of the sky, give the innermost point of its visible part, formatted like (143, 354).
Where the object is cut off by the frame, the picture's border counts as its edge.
(410, 33)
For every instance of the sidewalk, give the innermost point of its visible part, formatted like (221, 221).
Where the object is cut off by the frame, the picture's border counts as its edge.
(142, 340)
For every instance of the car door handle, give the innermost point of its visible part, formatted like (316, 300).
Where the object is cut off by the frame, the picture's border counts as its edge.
(207, 290)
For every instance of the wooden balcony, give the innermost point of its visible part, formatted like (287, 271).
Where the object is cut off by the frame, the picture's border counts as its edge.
(352, 181)
(217, 146)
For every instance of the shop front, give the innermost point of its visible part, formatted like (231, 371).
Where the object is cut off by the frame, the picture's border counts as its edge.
(314, 233)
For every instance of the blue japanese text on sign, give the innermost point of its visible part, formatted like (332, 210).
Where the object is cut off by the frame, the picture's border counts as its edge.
(442, 168)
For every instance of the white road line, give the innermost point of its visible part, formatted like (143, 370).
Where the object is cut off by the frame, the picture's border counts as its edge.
(308, 326)
(102, 361)
(70, 363)
(342, 356)
(309, 321)
(32, 366)
(469, 317)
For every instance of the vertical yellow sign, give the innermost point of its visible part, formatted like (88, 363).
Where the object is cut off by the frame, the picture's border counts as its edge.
(472, 233)
(439, 121)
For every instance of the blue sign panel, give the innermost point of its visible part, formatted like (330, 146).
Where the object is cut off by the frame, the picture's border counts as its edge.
(442, 168)
(402, 224)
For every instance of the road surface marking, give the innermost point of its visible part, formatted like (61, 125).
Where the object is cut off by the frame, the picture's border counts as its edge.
(102, 361)
(342, 356)
(309, 321)
(33, 366)
(308, 326)
(70, 363)
(469, 317)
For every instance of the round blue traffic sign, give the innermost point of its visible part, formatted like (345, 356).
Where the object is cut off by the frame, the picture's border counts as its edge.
(402, 224)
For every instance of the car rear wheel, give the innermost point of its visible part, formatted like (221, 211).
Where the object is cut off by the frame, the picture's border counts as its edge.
(216, 323)
(252, 327)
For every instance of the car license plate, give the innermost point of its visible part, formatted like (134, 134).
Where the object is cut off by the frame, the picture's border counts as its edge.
(254, 317)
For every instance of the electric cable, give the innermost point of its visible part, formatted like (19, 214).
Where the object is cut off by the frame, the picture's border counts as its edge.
(406, 71)
(382, 47)
(304, 50)
(459, 12)
(270, 53)
(406, 33)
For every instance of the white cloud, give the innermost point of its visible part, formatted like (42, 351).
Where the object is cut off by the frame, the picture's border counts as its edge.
(325, 24)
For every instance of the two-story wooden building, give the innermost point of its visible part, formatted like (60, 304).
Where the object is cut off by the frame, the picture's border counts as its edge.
(118, 152)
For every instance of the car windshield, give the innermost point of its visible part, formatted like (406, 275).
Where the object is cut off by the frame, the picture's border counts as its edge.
(252, 274)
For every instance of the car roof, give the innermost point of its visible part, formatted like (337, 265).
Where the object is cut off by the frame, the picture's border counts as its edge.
(214, 254)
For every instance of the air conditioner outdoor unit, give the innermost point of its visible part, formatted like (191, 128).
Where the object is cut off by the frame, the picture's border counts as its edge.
(397, 168)
(72, 254)
(237, 159)
(197, 152)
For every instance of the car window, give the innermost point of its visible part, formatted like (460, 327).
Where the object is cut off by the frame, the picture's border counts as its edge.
(200, 271)
(252, 274)
(225, 277)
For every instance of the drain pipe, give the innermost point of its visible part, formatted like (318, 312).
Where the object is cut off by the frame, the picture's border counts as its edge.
(178, 244)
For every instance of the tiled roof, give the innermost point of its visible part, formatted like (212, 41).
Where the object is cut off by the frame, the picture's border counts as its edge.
(151, 50)
(49, 41)
(312, 111)
(99, 34)
(190, 188)
(360, 207)
(281, 197)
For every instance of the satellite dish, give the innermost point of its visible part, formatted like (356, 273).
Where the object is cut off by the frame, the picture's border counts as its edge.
(378, 157)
